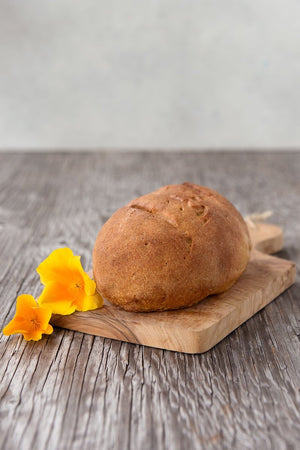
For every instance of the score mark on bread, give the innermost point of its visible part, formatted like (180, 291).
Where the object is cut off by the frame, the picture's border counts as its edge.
(170, 248)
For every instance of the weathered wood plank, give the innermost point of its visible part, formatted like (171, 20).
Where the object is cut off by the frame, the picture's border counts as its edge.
(71, 390)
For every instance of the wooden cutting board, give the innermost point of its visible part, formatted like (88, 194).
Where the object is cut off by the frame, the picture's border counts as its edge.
(200, 327)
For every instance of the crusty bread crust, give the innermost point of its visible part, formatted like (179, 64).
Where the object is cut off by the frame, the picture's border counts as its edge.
(170, 248)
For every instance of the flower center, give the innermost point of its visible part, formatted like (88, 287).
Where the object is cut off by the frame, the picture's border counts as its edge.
(35, 323)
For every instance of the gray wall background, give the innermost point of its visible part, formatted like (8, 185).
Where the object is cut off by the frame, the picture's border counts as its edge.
(149, 74)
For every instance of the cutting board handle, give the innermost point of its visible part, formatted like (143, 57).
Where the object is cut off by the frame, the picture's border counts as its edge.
(266, 237)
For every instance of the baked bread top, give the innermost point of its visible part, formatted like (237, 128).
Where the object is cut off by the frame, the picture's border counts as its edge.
(170, 248)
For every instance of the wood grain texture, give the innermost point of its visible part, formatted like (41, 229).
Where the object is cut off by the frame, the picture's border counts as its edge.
(72, 390)
(198, 328)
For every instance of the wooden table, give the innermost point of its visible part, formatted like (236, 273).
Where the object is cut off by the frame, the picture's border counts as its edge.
(71, 390)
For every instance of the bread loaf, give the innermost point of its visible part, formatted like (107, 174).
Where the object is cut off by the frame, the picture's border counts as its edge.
(170, 248)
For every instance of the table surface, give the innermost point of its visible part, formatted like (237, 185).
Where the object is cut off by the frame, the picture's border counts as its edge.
(72, 390)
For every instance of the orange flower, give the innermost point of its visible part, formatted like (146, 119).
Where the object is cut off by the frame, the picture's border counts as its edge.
(67, 287)
(30, 319)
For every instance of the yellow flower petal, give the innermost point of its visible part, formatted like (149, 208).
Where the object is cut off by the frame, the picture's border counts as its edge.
(91, 302)
(14, 327)
(57, 297)
(74, 265)
(49, 329)
(89, 285)
(24, 303)
(56, 266)
(33, 336)
(37, 335)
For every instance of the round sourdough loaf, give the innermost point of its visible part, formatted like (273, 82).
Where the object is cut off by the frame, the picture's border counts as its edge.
(170, 248)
